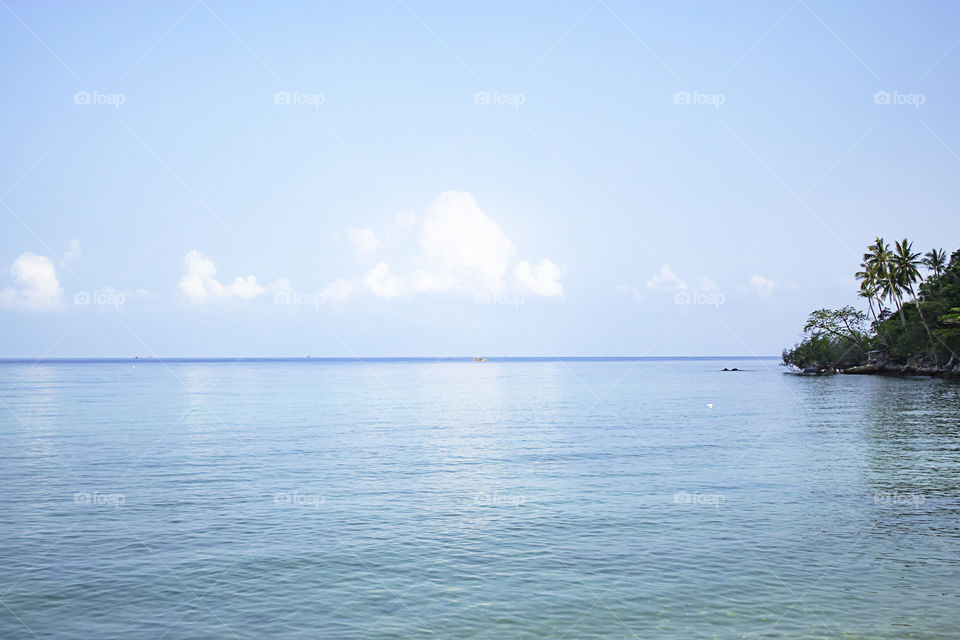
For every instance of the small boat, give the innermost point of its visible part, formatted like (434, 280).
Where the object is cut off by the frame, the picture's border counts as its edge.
(479, 359)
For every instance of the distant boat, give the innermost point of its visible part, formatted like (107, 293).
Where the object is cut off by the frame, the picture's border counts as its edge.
(479, 359)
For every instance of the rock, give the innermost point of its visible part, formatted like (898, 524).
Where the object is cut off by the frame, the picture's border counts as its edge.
(864, 368)
(913, 363)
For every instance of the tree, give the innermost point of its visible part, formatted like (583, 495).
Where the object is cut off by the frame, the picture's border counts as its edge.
(833, 339)
(869, 287)
(844, 324)
(935, 260)
(905, 263)
(879, 261)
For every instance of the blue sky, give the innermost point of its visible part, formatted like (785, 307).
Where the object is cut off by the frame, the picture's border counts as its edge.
(428, 178)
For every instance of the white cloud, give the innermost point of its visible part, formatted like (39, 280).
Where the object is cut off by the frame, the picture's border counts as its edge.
(763, 286)
(37, 287)
(72, 252)
(363, 241)
(543, 280)
(633, 291)
(337, 290)
(460, 241)
(200, 285)
(381, 282)
(244, 288)
(666, 279)
(707, 285)
(460, 250)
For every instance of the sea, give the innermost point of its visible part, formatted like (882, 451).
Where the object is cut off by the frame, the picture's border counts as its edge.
(453, 498)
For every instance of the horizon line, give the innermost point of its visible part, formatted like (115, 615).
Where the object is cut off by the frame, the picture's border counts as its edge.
(352, 358)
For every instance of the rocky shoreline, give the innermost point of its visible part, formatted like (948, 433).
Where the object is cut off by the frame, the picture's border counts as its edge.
(881, 364)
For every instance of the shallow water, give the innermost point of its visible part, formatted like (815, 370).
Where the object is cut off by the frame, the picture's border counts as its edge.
(454, 499)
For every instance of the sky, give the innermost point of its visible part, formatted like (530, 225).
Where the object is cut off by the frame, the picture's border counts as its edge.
(413, 178)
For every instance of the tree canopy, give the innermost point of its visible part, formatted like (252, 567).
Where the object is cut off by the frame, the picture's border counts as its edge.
(908, 314)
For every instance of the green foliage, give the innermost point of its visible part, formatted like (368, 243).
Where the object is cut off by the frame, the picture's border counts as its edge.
(823, 354)
(833, 338)
(923, 317)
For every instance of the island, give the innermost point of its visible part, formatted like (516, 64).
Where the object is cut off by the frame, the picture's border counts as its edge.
(911, 325)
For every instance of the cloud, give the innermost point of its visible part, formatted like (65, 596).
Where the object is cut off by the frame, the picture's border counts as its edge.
(337, 290)
(72, 252)
(666, 279)
(633, 291)
(543, 280)
(363, 241)
(763, 286)
(200, 285)
(460, 250)
(36, 288)
(460, 241)
(706, 285)
(381, 282)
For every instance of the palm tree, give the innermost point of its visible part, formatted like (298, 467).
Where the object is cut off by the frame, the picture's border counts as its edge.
(880, 261)
(935, 260)
(868, 287)
(905, 263)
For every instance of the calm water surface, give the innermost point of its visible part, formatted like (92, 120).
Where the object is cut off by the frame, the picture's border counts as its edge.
(453, 499)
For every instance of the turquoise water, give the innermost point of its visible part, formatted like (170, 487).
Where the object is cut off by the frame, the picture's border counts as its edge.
(453, 499)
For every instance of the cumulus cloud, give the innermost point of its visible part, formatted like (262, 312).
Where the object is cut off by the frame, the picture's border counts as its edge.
(461, 250)
(763, 286)
(543, 279)
(460, 240)
(199, 283)
(666, 279)
(363, 241)
(36, 285)
(381, 282)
